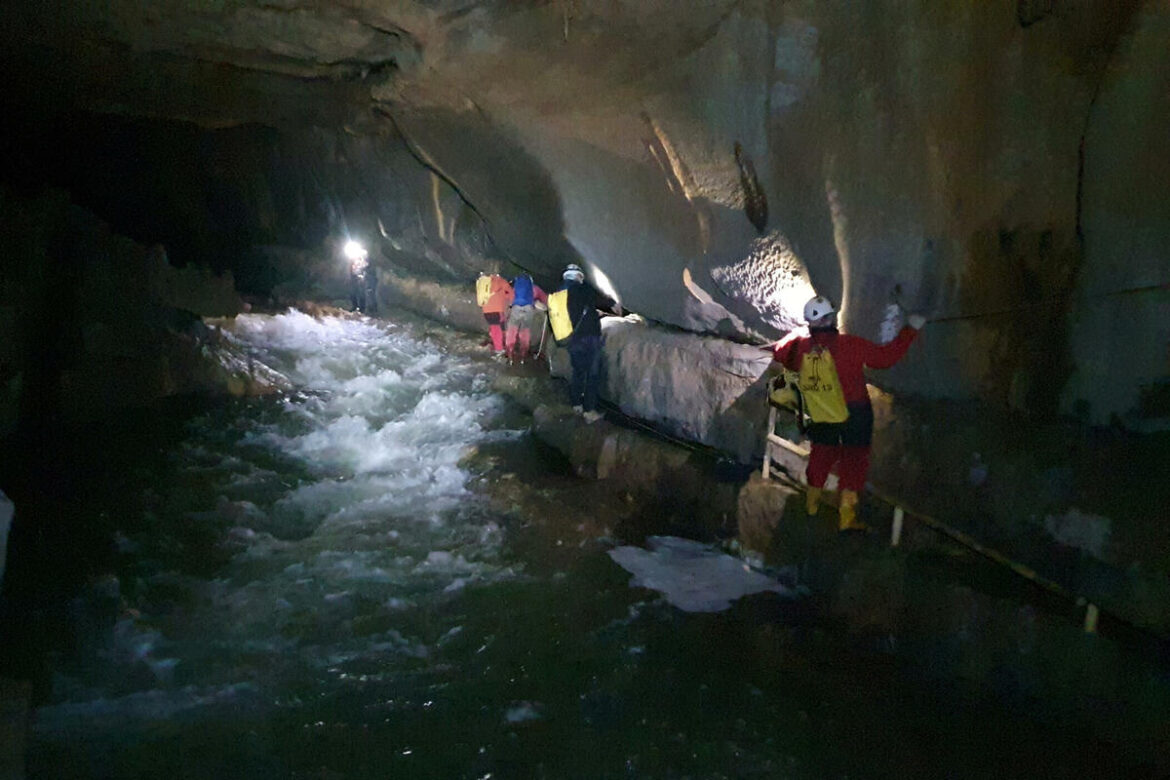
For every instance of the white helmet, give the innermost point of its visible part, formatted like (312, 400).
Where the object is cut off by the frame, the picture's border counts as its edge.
(573, 273)
(818, 307)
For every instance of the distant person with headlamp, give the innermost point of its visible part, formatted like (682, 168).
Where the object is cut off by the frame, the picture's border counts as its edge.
(362, 281)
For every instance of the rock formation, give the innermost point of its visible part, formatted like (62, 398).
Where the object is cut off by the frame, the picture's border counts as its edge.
(996, 164)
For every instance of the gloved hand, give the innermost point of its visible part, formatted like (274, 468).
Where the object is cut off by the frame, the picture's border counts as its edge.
(916, 321)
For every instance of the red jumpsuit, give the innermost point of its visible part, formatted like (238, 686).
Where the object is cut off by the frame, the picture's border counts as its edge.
(846, 443)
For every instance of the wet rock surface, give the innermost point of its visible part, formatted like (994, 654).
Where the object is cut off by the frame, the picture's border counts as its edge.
(936, 610)
(1011, 483)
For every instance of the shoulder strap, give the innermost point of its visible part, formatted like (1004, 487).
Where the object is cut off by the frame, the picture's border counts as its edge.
(584, 311)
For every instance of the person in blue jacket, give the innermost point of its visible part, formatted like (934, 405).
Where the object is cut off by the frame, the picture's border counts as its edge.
(518, 336)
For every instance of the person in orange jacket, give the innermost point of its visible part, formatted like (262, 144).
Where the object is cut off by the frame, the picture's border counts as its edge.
(832, 383)
(495, 310)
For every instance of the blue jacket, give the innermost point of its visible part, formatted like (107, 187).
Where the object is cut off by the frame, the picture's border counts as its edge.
(523, 287)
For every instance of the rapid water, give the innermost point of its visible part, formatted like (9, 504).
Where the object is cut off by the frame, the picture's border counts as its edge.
(334, 515)
(379, 574)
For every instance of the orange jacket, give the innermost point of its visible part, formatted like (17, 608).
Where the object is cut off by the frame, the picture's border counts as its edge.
(501, 296)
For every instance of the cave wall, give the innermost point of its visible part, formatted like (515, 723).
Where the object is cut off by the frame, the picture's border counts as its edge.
(1120, 319)
(956, 158)
(994, 164)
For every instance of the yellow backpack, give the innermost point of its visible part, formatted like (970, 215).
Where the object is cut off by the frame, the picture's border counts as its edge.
(483, 290)
(558, 315)
(820, 387)
(784, 391)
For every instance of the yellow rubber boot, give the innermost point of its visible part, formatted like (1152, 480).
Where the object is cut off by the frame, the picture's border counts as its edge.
(812, 500)
(848, 512)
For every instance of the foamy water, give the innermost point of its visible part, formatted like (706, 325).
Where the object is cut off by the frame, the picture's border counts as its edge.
(337, 511)
(312, 590)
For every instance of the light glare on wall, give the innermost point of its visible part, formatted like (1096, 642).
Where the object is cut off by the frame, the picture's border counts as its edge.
(603, 283)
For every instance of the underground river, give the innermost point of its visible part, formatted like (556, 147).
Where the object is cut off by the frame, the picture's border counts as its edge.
(378, 572)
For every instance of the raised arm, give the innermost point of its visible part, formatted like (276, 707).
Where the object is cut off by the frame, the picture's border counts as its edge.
(787, 351)
(602, 301)
(886, 355)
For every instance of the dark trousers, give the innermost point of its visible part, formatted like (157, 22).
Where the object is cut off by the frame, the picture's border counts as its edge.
(585, 355)
(357, 293)
(371, 296)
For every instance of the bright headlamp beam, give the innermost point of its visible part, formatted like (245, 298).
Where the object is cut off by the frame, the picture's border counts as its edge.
(353, 250)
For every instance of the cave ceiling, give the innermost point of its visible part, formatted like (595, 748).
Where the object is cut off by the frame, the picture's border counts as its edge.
(296, 62)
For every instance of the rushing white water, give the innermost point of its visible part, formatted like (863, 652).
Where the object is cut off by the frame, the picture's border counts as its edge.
(335, 511)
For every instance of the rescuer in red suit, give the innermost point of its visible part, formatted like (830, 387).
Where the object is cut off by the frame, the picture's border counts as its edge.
(832, 384)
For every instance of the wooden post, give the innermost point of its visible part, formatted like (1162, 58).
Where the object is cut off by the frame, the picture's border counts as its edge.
(896, 527)
(767, 470)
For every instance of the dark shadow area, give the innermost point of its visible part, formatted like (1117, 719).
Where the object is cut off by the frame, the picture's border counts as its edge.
(73, 487)
(755, 199)
(211, 197)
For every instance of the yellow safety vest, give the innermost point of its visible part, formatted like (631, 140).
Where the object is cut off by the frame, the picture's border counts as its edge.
(483, 290)
(558, 315)
(820, 386)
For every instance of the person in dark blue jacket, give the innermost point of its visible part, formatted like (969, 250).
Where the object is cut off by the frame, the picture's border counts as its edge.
(518, 335)
(584, 344)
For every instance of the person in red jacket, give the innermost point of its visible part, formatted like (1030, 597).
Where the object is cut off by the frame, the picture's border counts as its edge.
(832, 383)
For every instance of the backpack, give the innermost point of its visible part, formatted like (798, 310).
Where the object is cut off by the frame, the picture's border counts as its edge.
(820, 387)
(558, 315)
(784, 393)
(483, 290)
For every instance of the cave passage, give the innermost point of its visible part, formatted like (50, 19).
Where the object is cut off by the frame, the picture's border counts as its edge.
(317, 583)
(249, 530)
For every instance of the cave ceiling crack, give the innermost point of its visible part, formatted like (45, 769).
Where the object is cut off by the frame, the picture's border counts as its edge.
(459, 13)
(424, 159)
(266, 63)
